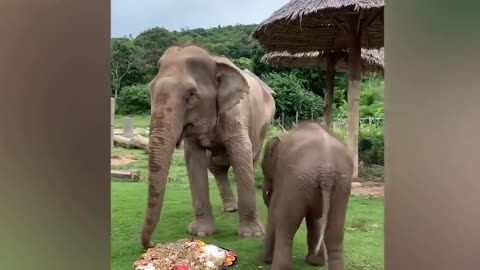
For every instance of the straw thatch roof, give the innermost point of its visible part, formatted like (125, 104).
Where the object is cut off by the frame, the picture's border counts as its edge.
(309, 25)
(372, 60)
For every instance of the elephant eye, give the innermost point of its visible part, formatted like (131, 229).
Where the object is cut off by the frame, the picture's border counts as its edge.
(191, 97)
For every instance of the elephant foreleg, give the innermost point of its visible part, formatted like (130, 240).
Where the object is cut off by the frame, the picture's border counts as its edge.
(240, 153)
(197, 164)
(269, 241)
(313, 234)
(221, 178)
(288, 217)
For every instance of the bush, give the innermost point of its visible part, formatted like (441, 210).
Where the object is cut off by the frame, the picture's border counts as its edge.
(291, 96)
(371, 145)
(133, 99)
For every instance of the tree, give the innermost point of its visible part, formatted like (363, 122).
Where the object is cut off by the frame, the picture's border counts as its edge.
(153, 43)
(125, 57)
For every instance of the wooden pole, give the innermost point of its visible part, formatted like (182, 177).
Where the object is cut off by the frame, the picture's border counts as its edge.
(354, 66)
(329, 85)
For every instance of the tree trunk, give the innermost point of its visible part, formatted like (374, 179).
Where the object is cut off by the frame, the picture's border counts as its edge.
(329, 81)
(354, 98)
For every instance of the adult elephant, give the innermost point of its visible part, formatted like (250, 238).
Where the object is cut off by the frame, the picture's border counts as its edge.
(222, 114)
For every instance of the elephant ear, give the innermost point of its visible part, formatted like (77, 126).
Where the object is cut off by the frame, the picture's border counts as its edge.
(231, 84)
(271, 147)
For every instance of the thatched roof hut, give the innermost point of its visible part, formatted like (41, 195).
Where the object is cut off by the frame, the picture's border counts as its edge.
(290, 29)
(372, 60)
(329, 25)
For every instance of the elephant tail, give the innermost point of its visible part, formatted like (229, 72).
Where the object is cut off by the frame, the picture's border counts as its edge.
(323, 221)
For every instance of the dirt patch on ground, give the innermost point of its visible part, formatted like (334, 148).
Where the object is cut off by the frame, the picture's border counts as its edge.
(122, 160)
(368, 189)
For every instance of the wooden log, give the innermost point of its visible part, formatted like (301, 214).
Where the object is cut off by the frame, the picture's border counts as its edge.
(128, 176)
(139, 141)
(112, 119)
(122, 141)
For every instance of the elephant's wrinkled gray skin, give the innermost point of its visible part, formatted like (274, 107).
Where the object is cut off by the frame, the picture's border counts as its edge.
(222, 115)
(307, 174)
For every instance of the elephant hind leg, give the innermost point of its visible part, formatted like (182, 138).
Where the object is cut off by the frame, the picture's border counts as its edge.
(220, 172)
(323, 220)
(313, 234)
(334, 233)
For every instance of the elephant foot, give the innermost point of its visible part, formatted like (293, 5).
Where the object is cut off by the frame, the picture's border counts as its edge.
(250, 229)
(317, 260)
(201, 228)
(230, 206)
(265, 258)
(147, 245)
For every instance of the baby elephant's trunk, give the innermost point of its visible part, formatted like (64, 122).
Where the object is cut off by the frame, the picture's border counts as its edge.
(323, 221)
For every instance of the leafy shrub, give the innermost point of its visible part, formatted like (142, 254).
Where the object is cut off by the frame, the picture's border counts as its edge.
(133, 99)
(243, 63)
(291, 97)
(371, 145)
(372, 172)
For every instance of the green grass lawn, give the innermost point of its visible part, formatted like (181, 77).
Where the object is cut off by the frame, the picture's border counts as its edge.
(363, 238)
(141, 121)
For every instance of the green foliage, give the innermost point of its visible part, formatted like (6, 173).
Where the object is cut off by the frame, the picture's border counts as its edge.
(371, 101)
(371, 145)
(126, 63)
(340, 106)
(291, 96)
(372, 172)
(230, 41)
(133, 99)
(152, 43)
(243, 63)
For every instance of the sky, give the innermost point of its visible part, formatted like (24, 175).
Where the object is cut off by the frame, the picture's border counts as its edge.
(135, 16)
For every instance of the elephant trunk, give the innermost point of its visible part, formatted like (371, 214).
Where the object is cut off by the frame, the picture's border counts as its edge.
(165, 133)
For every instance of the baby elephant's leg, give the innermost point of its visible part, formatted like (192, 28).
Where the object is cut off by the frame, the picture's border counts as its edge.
(288, 218)
(335, 229)
(313, 235)
(266, 256)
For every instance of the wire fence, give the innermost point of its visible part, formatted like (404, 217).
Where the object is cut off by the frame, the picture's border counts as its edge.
(289, 122)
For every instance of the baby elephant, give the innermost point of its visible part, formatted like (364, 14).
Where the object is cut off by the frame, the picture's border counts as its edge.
(307, 174)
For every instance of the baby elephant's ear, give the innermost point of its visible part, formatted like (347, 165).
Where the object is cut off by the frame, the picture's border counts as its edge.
(272, 145)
